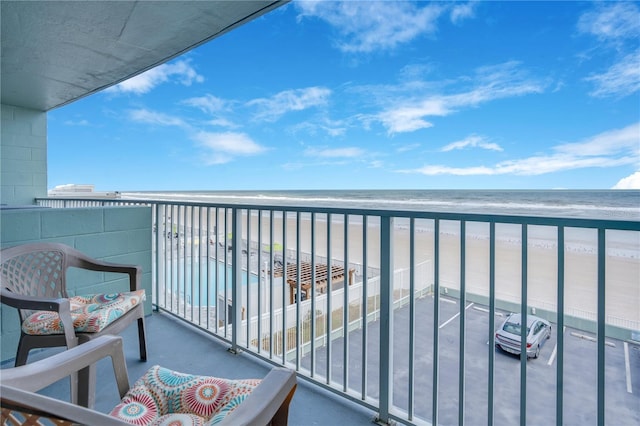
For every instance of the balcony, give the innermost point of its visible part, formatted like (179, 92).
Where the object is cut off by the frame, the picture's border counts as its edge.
(175, 345)
(394, 312)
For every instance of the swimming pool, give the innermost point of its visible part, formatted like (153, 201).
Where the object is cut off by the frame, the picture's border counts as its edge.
(189, 279)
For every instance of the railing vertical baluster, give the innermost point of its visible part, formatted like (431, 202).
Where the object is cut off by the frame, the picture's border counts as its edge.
(271, 283)
(345, 306)
(220, 310)
(285, 284)
(236, 278)
(386, 318)
(172, 267)
(155, 244)
(602, 252)
(560, 331)
(412, 316)
(463, 319)
(261, 272)
(201, 240)
(298, 297)
(436, 321)
(492, 319)
(192, 262)
(225, 270)
(365, 303)
(163, 256)
(178, 256)
(182, 243)
(523, 326)
(329, 311)
(248, 287)
(313, 292)
(207, 267)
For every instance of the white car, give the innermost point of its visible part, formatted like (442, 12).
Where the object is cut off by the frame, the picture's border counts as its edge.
(508, 335)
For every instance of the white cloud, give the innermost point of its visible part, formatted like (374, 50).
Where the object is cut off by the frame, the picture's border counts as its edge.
(223, 122)
(411, 118)
(156, 118)
(347, 152)
(460, 12)
(619, 141)
(608, 149)
(208, 103)
(630, 182)
(408, 147)
(489, 83)
(366, 26)
(472, 141)
(331, 127)
(622, 79)
(611, 21)
(77, 122)
(219, 148)
(214, 106)
(455, 171)
(270, 109)
(143, 83)
(224, 147)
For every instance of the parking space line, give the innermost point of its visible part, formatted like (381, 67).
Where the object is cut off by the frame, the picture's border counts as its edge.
(553, 355)
(591, 338)
(444, 299)
(478, 308)
(449, 320)
(627, 367)
(455, 316)
(555, 350)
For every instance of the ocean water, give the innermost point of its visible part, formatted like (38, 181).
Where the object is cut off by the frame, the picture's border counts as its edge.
(592, 204)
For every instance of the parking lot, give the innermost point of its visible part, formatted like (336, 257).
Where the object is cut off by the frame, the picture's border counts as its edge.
(622, 361)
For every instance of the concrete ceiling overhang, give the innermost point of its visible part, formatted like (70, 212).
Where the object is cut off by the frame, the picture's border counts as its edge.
(55, 52)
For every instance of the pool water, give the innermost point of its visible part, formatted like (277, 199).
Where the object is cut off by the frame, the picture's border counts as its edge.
(194, 275)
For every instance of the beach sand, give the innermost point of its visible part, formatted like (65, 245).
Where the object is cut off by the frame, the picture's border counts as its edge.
(622, 267)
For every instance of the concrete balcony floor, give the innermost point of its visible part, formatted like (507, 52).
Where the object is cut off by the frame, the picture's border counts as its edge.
(174, 344)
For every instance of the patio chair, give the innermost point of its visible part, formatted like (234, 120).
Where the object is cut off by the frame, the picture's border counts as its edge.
(161, 396)
(33, 279)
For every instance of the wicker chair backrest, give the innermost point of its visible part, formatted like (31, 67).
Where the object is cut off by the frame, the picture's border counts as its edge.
(34, 270)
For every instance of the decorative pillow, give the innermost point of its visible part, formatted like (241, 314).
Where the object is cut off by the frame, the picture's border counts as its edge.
(163, 397)
(90, 313)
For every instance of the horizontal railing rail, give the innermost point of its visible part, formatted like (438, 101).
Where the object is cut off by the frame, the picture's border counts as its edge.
(374, 305)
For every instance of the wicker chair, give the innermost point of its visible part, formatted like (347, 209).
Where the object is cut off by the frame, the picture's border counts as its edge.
(159, 397)
(33, 280)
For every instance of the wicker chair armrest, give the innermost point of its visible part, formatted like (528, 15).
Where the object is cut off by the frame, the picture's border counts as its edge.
(44, 407)
(60, 305)
(20, 301)
(268, 404)
(81, 260)
(38, 375)
(134, 271)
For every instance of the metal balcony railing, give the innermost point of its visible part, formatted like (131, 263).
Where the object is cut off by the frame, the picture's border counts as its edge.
(392, 329)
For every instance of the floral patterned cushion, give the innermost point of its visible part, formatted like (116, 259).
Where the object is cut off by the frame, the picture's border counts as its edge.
(90, 313)
(165, 397)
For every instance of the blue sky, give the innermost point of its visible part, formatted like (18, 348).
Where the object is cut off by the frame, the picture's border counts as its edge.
(375, 95)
